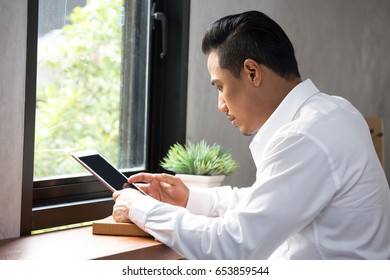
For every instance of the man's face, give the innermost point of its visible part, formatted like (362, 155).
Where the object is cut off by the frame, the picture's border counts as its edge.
(246, 107)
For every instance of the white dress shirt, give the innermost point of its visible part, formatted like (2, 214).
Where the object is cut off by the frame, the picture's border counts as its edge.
(320, 192)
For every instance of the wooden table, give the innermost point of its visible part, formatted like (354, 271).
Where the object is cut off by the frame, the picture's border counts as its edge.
(80, 243)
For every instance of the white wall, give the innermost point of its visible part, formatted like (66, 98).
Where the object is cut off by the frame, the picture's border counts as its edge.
(342, 45)
(13, 20)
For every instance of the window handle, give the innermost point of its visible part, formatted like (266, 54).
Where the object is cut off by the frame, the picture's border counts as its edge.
(161, 17)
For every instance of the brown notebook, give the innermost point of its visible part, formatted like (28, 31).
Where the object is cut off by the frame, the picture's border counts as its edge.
(108, 226)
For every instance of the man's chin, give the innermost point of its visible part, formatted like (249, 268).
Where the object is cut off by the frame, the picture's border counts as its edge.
(247, 132)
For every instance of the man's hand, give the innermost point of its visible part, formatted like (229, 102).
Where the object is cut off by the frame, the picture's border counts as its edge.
(163, 187)
(124, 199)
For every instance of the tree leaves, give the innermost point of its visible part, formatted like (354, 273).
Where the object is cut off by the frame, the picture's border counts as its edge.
(78, 91)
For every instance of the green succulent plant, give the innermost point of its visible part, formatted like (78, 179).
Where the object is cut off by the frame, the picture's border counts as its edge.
(199, 159)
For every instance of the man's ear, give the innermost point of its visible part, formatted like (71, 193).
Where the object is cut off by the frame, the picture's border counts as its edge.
(252, 71)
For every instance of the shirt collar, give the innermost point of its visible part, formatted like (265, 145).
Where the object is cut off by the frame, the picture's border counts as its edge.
(283, 114)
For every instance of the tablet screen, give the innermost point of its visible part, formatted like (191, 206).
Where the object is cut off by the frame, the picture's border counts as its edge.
(105, 170)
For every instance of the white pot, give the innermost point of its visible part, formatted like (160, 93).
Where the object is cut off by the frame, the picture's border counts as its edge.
(201, 180)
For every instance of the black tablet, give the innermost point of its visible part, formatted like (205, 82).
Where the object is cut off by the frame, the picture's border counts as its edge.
(111, 177)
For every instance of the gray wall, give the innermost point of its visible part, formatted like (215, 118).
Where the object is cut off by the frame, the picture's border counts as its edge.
(13, 20)
(342, 45)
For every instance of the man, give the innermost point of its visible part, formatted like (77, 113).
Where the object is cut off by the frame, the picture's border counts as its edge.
(320, 191)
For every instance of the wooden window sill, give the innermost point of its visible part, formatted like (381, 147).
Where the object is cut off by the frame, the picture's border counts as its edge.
(80, 243)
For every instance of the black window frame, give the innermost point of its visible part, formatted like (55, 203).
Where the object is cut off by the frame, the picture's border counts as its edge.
(60, 201)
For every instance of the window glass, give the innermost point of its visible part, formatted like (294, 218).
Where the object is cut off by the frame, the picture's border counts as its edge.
(92, 84)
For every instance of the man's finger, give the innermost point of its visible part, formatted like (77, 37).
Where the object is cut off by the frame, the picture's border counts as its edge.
(141, 177)
(120, 215)
(116, 194)
(165, 185)
(145, 188)
(167, 178)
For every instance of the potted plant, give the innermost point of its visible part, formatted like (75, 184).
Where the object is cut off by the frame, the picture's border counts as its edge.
(199, 164)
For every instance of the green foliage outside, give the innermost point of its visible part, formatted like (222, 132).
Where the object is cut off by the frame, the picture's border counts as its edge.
(78, 100)
(199, 159)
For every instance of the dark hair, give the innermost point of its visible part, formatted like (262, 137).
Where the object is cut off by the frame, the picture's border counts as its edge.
(251, 35)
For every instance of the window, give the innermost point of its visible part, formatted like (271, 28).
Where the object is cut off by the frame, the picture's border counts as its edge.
(93, 61)
(96, 79)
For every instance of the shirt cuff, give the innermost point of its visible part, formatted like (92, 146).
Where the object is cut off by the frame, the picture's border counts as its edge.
(199, 201)
(140, 209)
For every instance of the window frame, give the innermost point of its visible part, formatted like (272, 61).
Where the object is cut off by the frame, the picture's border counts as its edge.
(59, 201)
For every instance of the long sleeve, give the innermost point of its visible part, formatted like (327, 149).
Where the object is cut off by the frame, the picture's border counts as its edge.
(292, 191)
(214, 202)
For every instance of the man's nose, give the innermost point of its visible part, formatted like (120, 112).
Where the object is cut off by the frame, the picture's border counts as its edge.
(221, 104)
